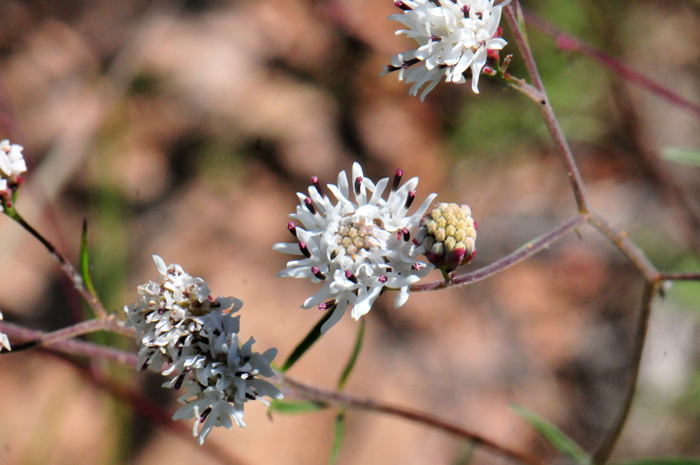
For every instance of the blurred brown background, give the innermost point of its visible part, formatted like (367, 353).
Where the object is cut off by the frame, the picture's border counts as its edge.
(185, 128)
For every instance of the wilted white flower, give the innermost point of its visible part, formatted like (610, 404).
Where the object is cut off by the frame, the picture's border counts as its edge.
(4, 342)
(452, 35)
(181, 325)
(12, 164)
(358, 246)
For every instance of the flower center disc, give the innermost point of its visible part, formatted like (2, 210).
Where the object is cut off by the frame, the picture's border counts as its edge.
(354, 236)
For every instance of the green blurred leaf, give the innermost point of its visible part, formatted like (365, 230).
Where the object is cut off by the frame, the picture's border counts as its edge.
(308, 341)
(675, 154)
(353, 357)
(663, 461)
(338, 437)
(84, 262)
(554, 435)
(293, 407)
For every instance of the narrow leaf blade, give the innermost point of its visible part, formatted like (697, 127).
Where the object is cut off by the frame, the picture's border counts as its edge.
(553, 435)
(338, 437)
(84, 261)
(307, 342)
(294, 407)
(353, 357)
(663, 461)
(678, 155)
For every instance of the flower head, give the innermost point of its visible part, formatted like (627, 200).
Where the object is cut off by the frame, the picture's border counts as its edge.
(452, 35)
(181, 325)
(358, 246)
(4, 342)
(12, 165)
(447, 236)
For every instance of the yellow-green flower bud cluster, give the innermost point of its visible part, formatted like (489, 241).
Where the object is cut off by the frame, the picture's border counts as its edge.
(448, 236)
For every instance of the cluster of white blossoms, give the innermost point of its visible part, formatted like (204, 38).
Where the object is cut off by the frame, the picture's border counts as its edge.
(452, 35)
(182, 326)
(12, 165)
(4, 342)
(357, 247)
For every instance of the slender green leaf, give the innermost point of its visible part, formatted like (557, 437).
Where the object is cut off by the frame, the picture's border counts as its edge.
(466, 454)
(338, 437)
(353, 357)
(293, 407)
(553, 435)
(690, 157)
(663, 461)
(308, 341)
(84, 262)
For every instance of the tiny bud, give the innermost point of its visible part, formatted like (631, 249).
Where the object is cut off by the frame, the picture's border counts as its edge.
(317, 273)
(350, 276)
(304, 249)
(358, 184)
(397, 180)
(292, 228)
(382, 279)
(315, 182)
(310, 205)
(409, 200)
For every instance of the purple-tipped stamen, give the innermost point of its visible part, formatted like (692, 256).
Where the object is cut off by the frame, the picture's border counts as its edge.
(409, 200)
(310, 205)
(350, 276)
(465, 10)
(326, 305)
(292, 228)
(382, 279)
(358, 184)
(397, 180)
(317, 272)
(402, 5)
(304, 249)
(315, 182)
(204, 415)
(417, 266)
(180, 379)
(406, 235)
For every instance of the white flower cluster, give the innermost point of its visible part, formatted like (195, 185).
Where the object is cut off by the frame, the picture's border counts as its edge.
(452, 35)
(12, 164)
(356, 248)
(181, 325)
(4, 342)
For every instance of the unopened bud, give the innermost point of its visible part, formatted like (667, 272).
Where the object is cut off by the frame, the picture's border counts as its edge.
(448, 235)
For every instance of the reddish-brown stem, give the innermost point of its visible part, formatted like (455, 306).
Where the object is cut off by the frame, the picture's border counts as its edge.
(90, 297)
(626, 246)
(679, 276)
(548, 114)
(526, 251)
(603, 451)
(326, 396)
(71, 346)
(90, 326)
(567, 42)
